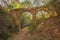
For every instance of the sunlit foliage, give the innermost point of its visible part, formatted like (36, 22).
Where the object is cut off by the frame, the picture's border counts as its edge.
(26, 19)
(14, 5)
(39, 15)
(46, 14)
(42, 14)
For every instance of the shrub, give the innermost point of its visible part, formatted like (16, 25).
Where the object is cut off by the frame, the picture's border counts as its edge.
(13, 29)
(4, 34)
(31, 28)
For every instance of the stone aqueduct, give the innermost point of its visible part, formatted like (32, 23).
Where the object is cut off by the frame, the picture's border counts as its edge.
(17, 13)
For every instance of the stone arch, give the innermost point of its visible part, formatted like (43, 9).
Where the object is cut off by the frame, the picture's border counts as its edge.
(16, 13)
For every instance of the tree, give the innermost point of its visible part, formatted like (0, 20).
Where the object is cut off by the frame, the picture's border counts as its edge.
(41, 2)
(27, 4)
(56, 5)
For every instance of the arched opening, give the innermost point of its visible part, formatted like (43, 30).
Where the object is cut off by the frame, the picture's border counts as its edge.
(46, 14)
(42, 15)
(26, 19)
(39, 16)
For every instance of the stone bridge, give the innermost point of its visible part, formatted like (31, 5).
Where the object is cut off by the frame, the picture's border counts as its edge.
(16, 14)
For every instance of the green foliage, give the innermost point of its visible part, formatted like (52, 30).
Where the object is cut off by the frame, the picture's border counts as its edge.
(9, 7)
(46, 15)
(27, 4)
(2, 12)
(39, 16)
(13, 29)
(52, 2)
(26, 19)
(16, 5)
(31, 28)
(6, 29)
(4, 34)
(42, 15)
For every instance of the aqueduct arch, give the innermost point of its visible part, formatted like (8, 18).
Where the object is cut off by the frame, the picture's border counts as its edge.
(16, 13)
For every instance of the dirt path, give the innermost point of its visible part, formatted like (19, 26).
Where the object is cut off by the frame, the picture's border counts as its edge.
(21, 34)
